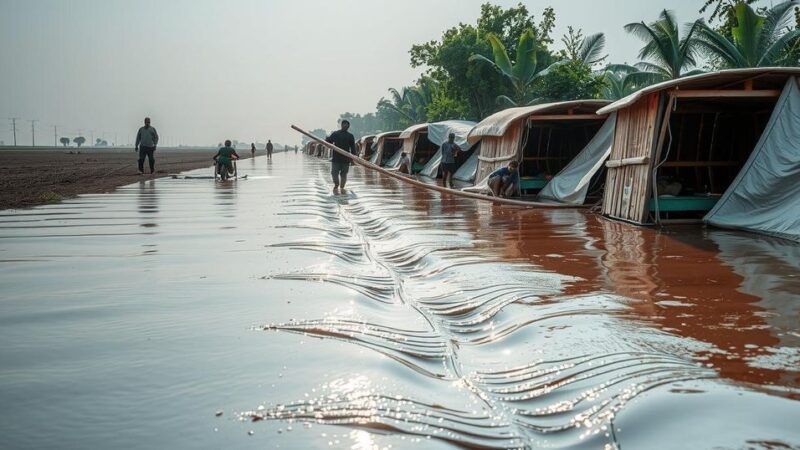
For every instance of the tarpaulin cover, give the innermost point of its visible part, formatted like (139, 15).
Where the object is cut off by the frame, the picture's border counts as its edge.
(394, 161)
(467, 171)
(765, 195)
(572, 183)
(438, 134)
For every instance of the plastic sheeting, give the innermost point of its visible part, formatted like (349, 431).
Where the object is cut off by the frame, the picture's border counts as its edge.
(765, 195)
(467, 171)
(394, 161)
(572, 183)
(438, 133)
(432, 168)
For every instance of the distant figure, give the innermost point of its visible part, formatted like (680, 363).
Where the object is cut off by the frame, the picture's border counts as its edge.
(146, 142)
(405, 164)
(224, 160)
(269, 149)
(295, 149)
(449, 151)
(252, 150)
(504, 182)
(340, 164)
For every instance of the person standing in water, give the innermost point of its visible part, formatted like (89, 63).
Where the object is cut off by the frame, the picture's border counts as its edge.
(146, 142)
(252, 150)
(449, 151)
(340, 164)
(269, 149)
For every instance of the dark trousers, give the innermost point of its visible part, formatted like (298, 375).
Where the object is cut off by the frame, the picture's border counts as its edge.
(149, 153)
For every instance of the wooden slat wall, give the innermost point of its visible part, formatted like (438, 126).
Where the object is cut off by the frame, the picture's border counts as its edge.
(498, 147)
(627, 187)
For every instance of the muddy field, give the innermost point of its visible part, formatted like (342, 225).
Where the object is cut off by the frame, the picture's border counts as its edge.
(36, 177)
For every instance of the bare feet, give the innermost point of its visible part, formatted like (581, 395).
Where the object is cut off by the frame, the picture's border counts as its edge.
(336, 190)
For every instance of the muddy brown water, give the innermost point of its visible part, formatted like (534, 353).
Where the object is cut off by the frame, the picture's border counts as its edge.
(269, 313)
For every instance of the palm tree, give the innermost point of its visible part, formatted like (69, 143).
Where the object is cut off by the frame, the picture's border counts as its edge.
(410, 104)
(621, 81)
(590, 52)
(531, 59)
(754, 41)
(670, 53)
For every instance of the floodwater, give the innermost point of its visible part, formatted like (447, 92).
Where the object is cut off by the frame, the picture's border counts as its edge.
(267, 313)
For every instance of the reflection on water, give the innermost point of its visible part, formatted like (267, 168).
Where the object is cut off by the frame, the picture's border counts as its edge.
(389, 316)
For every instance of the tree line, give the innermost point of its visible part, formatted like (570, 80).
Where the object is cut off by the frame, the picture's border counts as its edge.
(507, 58)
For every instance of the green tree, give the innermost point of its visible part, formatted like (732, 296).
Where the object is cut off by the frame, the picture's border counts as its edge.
(64, 141)
(671, 54)
(469, 90)
(530, 60)
(79, 140)
(318, 132)
(754, 40)
(570, 80)
(588, 50)
(618, 82)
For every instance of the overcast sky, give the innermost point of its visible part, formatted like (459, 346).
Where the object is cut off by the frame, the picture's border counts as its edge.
(206, 70)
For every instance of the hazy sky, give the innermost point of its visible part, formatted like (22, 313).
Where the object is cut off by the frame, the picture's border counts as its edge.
(206, 70)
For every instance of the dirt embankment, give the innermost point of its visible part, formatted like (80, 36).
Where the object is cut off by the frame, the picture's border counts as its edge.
(38, 176)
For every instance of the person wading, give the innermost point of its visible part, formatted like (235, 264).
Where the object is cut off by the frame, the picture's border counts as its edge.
(449, 151)
(146, 142)
(269, 149)
(252, 150)
(340, 164)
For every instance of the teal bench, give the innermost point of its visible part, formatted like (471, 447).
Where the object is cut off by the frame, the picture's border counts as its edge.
(531, 183)
(687, 203)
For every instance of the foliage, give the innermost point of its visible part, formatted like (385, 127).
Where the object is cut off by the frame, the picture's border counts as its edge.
(670, 53)
(79, 140)
(362, 125)
(754, 40)
(571, 80)
(64, 141)
(318, 132)
(618, 82)
(472, 89)
(588, 50)
(530, 60)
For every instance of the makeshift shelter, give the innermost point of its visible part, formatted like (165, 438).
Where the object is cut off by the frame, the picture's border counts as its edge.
(438, 134)
(547, 140)
(417, 146)
(384, 147)
(683, 145)
(364, 146)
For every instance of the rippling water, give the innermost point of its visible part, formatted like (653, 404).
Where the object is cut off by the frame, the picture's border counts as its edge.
(268, 313)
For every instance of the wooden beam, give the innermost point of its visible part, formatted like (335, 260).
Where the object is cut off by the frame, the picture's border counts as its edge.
(638, 160)
(726, 93)
(568, 117)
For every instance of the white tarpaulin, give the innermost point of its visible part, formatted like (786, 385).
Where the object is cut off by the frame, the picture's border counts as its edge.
(572, 183)
(438, 134)
(765, 195)
(467, 171)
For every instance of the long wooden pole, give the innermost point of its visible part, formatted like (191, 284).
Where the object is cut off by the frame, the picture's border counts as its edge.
(432, 187)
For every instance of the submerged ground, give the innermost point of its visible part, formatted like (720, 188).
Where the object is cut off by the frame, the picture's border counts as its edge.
(268, 313)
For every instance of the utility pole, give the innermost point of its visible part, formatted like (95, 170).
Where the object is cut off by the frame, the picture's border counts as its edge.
(55, 135)
(14, 127)
(33, 132)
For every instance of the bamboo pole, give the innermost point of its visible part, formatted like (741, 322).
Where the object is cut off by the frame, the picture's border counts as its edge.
(432, 187)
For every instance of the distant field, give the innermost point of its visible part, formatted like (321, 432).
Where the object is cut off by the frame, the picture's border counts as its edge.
(34, 176)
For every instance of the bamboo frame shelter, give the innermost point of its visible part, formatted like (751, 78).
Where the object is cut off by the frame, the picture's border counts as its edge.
(678, 145)
(438, 133)
(384, 146)
(542, 138)
(364, 146)
(416, 145)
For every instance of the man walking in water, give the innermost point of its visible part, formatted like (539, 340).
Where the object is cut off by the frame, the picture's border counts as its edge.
(340, 164)
(269, 149)
(146, 142)
(449, 151)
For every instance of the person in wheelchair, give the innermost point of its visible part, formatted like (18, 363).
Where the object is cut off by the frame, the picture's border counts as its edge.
(224, 160)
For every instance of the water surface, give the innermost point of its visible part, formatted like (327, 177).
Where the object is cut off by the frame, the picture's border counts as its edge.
(269, 313)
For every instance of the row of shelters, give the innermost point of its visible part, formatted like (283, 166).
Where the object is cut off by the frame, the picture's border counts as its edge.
(721, 147)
